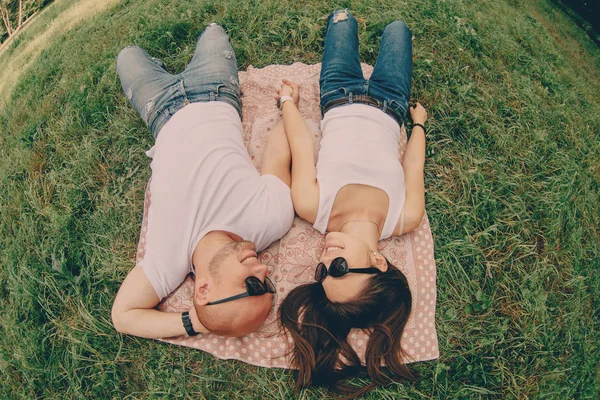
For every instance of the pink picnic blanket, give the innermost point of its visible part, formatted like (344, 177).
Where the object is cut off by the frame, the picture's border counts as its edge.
(292, 260)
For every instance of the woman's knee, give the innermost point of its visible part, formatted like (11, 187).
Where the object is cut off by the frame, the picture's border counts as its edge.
(398, 27)
(340, 15)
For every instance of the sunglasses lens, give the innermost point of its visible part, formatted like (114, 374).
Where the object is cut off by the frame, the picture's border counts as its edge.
(255, 286)
(338, 267)
(270, 285)
(320, 272)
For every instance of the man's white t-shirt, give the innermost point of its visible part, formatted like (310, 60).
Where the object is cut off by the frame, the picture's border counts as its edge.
(203, 181)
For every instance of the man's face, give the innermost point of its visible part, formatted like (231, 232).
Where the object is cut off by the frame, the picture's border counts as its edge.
(230, 267)
(228, 271)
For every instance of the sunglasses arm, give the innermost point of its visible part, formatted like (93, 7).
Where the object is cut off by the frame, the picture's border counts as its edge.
(239, 296)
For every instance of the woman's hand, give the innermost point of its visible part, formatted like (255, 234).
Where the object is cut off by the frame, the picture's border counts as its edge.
(418, 114)
(289, 88)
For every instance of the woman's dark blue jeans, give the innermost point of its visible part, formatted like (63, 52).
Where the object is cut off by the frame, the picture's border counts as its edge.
(341, 74)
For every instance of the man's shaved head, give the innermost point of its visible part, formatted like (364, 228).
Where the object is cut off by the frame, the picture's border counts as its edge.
(227, 272)
(236, 318)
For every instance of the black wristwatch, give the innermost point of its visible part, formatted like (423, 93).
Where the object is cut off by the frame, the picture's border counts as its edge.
(187, 324)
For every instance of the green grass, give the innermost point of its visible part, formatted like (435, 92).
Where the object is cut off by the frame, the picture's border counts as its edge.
(512, 181)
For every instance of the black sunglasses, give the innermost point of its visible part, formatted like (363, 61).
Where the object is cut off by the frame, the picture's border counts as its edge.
(339, 267)
(254, 287)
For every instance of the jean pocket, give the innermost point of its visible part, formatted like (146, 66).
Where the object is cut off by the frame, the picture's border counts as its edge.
(231, 90)
(340, 91)
(399, 108)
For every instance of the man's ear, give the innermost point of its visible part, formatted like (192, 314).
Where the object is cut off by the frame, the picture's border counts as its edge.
(201, 291)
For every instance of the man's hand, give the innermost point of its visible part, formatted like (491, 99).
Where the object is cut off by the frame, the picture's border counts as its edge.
(289, 88)
(418, 114)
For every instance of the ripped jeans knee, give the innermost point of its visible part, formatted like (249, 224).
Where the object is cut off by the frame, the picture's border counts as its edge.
(340, 15)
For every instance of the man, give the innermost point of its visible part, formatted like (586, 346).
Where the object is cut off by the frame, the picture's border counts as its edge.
(210, 211)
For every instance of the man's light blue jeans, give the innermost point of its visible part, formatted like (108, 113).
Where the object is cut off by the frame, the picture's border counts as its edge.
(156, 95)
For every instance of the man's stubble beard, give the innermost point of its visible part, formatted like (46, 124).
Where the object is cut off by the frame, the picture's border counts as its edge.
(228, 249)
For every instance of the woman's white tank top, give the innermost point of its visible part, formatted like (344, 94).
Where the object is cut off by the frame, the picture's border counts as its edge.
(359, 145)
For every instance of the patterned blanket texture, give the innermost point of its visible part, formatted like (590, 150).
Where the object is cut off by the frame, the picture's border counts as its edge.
(292, 259)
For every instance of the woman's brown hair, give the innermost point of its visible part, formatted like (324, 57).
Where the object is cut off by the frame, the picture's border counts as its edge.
(320, 328)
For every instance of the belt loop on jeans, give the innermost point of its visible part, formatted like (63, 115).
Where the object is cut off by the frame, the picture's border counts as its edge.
(218, 91)
(350, 98)
(183, 93)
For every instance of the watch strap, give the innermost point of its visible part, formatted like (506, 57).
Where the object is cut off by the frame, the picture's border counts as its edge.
(283, 99)
(187, 324)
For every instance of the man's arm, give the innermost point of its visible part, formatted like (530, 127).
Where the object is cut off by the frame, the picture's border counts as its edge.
(414, 175)
(305, 189)
(276, 157)
(133, 311)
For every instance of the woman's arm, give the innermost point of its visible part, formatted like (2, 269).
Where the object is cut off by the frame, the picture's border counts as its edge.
(414, 176)
(276, 157)
(305, 190)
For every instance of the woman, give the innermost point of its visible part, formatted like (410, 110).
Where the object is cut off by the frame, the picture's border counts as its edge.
(359, 193)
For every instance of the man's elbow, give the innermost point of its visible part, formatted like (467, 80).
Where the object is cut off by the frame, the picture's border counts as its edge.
(118, 321)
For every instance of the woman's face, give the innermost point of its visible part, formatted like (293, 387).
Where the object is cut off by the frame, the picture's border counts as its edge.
(357, 254)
